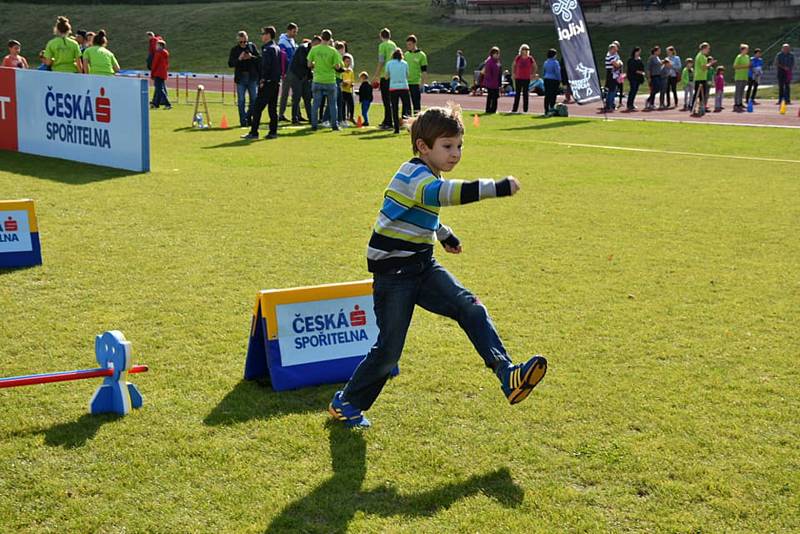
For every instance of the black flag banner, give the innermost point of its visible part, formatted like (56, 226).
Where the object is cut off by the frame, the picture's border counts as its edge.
(576, 50)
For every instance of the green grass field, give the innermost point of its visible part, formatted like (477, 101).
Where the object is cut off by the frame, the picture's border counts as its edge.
(200, 35)
(663, 288)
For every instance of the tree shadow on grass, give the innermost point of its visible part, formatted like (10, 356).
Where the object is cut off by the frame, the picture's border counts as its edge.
(251, 400)
(76, 433)
(59, 170)
(543, 123)
(334, 503)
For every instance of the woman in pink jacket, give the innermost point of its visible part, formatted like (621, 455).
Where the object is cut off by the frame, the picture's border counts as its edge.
(491, 79)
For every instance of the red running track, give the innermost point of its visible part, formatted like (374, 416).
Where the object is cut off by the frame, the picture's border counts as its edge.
(765, 114)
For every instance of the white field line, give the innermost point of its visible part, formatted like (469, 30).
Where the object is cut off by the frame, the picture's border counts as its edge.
(658, 151)
(676, 152)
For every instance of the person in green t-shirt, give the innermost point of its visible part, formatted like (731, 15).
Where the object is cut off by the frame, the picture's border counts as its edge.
(325, 62)
(62, 52)
(702, 75)
(99, 59)
(417, 67)
(385, 51)
(741, 67)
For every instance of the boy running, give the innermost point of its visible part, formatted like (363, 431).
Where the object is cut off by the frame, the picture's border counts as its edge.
(400, 256)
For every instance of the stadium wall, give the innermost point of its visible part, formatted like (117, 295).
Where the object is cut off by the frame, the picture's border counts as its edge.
(622, 12)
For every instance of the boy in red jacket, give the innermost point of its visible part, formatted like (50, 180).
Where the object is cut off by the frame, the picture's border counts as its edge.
(159, 72)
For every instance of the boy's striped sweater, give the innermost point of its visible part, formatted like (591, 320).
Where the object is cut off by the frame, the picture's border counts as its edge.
(408, 223)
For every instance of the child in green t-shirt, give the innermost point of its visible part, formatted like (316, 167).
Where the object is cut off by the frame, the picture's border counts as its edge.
(687, 79)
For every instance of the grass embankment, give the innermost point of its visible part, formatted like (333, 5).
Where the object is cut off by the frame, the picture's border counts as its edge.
(200, 35)
(662, 287)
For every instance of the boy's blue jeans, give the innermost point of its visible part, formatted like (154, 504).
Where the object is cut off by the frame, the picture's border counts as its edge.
(395, 294)
(365, 110)
(250, 89)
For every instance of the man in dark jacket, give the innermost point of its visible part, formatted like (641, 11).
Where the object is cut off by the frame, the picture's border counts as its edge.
(268, 85)
(244, 59)
(299, 80)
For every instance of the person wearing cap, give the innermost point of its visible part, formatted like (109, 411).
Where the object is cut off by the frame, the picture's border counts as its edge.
(152, 43)
(160, 73)
(244, 58)
(268, 85)
(14, 60)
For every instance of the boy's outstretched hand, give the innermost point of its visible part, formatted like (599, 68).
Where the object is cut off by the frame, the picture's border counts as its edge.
(452, 250)
(514, 184)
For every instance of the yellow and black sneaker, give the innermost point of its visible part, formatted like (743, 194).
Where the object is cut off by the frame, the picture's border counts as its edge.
(517, 381)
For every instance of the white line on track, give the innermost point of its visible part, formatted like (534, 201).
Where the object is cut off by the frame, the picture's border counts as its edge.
(673, 152)
(651, 150)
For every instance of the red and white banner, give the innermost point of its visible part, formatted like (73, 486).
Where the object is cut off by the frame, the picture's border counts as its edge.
(102, 120)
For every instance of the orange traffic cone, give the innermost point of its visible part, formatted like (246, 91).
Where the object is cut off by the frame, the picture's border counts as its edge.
(783, 107)
(360, 122)
(476, 121)
(224, 122)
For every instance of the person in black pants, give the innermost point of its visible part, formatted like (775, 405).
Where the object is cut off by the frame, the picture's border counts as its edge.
(654, 67)
(299, 76)
(492, 79)
(635, 76)
(552, 79)
(268, 85)
(385, 51)
(397, 69)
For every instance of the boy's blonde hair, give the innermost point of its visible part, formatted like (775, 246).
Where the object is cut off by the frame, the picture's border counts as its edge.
(436, 122)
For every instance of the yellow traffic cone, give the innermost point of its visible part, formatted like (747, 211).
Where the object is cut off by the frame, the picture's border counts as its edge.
(224, 122)
(783, 107)
(476, 121)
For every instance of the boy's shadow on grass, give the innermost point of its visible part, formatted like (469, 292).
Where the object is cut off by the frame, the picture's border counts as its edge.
(548, 123)
(334, 503)
(252, 400)
(76, 433)
(59, 170)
